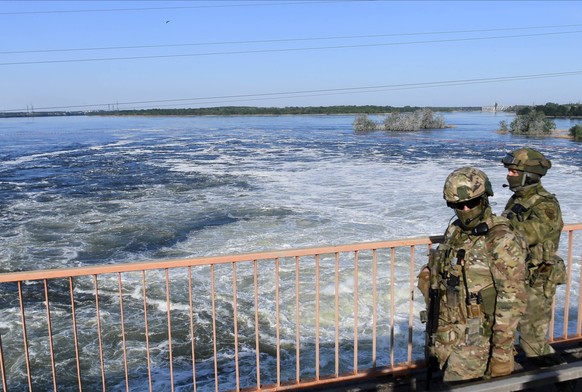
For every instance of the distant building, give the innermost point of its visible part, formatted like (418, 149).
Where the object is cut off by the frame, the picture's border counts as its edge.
(494, 108)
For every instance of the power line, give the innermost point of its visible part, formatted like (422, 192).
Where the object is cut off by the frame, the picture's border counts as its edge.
(285, 49)
(289, 39)
(241, 4)
(321, 92)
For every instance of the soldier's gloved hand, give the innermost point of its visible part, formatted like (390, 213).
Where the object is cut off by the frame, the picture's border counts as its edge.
(424, 282)
(500, 366)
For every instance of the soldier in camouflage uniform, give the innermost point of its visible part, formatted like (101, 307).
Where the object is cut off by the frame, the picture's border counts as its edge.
(479, 270)
(536, 213)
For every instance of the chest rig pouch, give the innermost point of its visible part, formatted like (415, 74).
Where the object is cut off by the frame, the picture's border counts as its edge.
(448, 276)
(474, 316)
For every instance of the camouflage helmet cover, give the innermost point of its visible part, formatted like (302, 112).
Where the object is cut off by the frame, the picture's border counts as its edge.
(527, 160)
(466, 183)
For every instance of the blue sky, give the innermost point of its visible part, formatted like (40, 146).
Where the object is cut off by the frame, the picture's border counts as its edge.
(69, 55)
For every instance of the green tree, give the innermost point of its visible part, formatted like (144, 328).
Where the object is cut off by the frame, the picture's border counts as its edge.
(363, 124)
(576, 132)
(532, 123)
(414, 121)
(430, 120)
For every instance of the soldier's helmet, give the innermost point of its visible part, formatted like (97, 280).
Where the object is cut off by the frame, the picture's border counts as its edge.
(467, 191)
(466, 183)
(530, 165)
(527, 160)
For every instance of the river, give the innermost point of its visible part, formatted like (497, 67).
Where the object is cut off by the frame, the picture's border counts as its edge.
(93, 190)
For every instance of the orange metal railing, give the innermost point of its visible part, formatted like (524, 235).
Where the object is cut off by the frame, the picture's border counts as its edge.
(263, 321)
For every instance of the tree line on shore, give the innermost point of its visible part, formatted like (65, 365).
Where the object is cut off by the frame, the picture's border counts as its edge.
(290, 110)
(243, 111)
(550, 109)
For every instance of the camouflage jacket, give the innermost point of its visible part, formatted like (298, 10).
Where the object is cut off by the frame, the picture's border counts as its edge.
(536, 213)
(492, 259)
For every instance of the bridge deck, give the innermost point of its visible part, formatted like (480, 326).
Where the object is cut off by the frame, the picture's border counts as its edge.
(527, 377)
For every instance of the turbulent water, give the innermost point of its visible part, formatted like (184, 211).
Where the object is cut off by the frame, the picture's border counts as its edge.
(94, 190)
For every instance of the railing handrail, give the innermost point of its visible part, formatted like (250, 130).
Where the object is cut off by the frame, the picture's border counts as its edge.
(197, 261)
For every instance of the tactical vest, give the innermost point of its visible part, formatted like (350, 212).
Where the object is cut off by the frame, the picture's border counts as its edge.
(468, 294)
(523, 209)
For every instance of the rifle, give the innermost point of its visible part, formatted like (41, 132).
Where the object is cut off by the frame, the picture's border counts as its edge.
(432, 324)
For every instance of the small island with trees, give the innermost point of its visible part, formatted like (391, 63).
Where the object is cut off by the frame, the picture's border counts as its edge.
(537, 120)
(401, 121)
(529, 120)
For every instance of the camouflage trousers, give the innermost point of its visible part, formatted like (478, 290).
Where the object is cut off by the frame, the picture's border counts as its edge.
(533, 326)
(462, 357)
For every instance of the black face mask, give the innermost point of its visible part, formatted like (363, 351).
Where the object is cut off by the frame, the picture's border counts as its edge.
(523, 179)
(516, 182)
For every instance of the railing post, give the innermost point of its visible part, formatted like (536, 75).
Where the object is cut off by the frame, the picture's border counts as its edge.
(50, 334)
(75, 334)
(100, 338)
(2, 367)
